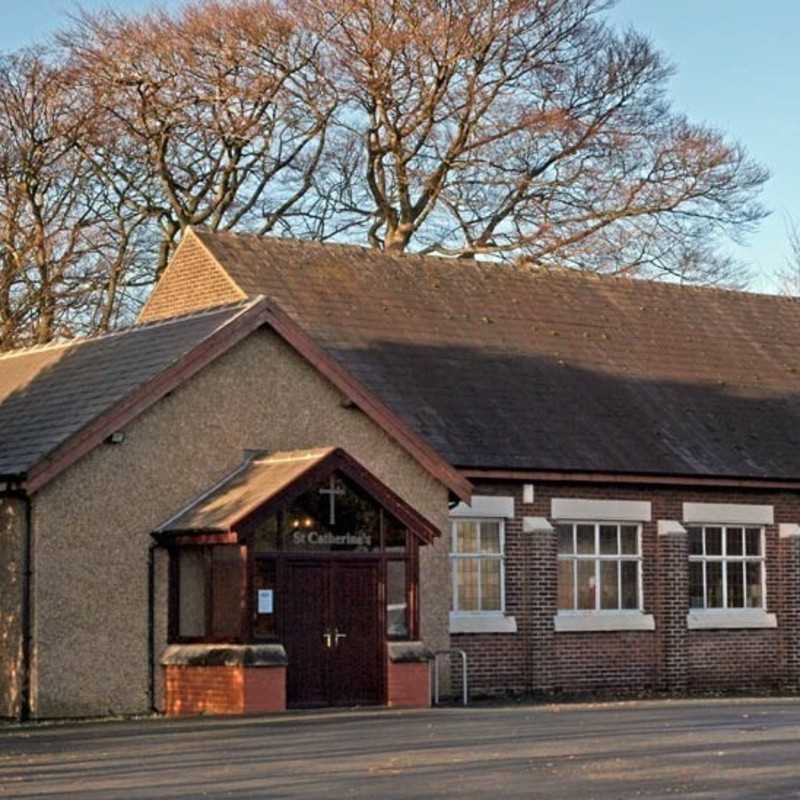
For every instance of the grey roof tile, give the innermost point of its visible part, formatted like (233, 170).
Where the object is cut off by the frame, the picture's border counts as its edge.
(501, 366)
(50, 393)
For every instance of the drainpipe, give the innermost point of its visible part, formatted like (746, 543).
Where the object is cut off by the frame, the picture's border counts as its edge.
(27, 586)
(151, 627)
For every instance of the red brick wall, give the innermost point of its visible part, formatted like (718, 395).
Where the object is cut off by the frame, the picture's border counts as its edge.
(225, 690)
(408, 684)
(204, 690)
(537, 659)
(192, 281)
(264, 690)
(735, 659)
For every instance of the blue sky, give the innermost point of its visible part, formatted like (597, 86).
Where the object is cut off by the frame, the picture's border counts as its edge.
(737, 65)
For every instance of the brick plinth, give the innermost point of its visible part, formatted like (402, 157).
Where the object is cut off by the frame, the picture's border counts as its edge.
(408, 685)
(192, 690)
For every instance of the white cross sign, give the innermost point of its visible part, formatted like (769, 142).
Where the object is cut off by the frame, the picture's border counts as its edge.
(332, 492)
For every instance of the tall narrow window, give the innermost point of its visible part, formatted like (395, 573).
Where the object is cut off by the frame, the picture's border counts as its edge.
(210, 583)
(599, 567)
(477, 558)
(726, 567)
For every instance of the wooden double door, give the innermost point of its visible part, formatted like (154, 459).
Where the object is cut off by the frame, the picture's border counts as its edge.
(333, 633)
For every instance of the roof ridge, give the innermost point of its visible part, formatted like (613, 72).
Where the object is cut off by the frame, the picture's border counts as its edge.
(520, 266)
(136, 327)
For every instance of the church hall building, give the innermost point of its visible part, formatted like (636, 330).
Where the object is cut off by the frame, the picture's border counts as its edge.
(309, 468)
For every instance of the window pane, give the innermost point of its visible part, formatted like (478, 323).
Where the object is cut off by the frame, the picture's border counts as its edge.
(394, 534)
(396, 603)
(608, 540)
(586, 539)
(714, 584)
(467, 583)
(630, 540)
(226, 592)
(266, 538)
(753, 541)
(713, 541)
(490, 537)
(695, 541)
(566, 543)
(566, 584)
(264, 581)
(755, 598)
(191, 592)
(466, 537)
(630, 584)
(609, 584)
(696, 585)
(735, 584)
(337, 516)
(490, 584)
(733, 541)
(587, 585)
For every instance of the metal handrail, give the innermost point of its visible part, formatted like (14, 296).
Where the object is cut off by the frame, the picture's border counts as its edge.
(435, 665)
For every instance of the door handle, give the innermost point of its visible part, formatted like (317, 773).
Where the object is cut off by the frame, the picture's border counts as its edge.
(327, 637)
(337, 636)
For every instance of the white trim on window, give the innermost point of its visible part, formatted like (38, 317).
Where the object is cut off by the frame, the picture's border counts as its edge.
(728, 513)
(570, 508)
(485, 507)
(597, 557)
(708, 619)
(482, 622)
(587, 621)
(727, 563)
(479, 556)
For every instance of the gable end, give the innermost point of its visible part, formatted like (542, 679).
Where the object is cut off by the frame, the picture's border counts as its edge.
(192, 281)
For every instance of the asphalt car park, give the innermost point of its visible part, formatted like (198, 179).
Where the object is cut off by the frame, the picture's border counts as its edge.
(653, 749)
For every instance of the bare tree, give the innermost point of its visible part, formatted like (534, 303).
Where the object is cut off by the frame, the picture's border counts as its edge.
(221, 110)
(524, 128)
(502, 129)
(788, 275)
(55, 245)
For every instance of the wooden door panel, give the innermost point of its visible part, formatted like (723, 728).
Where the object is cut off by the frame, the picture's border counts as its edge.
(307, 585)
(356, 676)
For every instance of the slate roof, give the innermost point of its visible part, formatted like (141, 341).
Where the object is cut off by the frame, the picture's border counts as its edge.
(510, 367)
(52, 392)
(254, 483)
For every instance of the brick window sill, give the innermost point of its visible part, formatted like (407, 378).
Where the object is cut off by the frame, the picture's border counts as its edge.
(721, 619)
(482, 623)
(592, 621)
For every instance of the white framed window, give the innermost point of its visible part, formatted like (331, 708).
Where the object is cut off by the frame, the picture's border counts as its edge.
(477, 557)
(726, 567)
(599, 566)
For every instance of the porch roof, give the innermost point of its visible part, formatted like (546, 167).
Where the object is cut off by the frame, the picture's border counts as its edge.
(263, 480)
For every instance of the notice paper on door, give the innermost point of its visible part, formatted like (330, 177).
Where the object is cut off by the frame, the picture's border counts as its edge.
(265, 601)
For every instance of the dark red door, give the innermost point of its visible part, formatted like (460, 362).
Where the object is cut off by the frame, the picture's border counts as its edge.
(356, 655)
(305, 623)
(333, 633)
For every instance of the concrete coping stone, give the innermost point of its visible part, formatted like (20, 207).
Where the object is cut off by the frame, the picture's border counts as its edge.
(789, 530)
(670, 527)
(224, 655)
(537, 525)
(408, 652)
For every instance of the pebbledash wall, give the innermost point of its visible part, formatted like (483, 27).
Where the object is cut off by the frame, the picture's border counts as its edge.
(12, 569)
(537, 659)
(92, 524)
